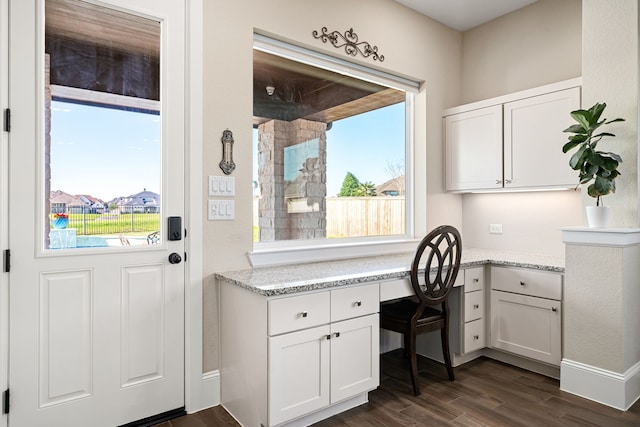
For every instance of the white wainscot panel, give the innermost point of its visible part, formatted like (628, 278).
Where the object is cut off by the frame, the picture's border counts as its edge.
(65, 336)
(142, 324)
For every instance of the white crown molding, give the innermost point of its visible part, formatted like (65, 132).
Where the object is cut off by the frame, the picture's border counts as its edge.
(616, 237)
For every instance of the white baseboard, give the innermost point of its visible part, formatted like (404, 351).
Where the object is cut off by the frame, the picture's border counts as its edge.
(332, 410)
(210, 390)
(619, 391)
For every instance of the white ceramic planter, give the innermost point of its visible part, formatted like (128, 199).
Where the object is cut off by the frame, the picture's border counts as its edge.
(597, 216)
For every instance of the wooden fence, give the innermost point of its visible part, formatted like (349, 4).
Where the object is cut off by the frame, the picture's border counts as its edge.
(365, 216)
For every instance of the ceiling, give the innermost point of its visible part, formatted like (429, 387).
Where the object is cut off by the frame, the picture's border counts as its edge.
(300, 91)
(463, 15)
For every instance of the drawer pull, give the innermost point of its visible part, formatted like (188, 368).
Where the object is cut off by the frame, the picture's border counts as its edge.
(476, 337)
(304, 314)
(358, 303)
(476, 306)
(476, 280)
(522, 283)
(554, 309)
(337, 334)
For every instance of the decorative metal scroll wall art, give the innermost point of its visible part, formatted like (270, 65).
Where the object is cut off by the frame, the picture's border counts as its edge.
(350, 42)
(226, 164)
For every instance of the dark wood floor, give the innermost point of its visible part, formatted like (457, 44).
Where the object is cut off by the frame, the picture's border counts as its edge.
(485, 393)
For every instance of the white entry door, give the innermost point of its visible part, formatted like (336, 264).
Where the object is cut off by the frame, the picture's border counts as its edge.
(96, 199)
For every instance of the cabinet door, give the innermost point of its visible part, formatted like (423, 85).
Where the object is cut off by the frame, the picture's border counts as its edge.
(298, 373)
(473, 149)
(526, 325)
(355, 358)
(533, 140)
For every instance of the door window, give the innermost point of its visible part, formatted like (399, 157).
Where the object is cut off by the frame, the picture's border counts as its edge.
(102, 144)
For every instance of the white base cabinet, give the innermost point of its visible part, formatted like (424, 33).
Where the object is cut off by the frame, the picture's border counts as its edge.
(313, 368)
(526, 313)
(293, 356)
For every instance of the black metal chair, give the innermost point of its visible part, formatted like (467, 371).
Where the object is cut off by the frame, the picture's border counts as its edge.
(434, 270)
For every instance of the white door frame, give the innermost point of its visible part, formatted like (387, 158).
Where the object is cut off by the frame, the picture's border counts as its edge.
(4, 204)
(194, 396)
(193, 208)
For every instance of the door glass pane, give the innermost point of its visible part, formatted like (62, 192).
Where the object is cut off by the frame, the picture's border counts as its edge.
(102, 153)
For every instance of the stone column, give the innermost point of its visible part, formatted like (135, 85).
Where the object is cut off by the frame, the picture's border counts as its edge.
(280, 218)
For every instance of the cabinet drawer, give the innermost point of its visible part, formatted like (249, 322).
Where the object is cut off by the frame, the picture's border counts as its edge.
(527, 282)
(298, 312)
(474, 279)
(354, 302)
(473, 305)
(394, 289)
(474, 336)
(401, 288)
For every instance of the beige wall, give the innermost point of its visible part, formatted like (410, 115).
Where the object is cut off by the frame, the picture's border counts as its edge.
(533, 46)
(531, 222)
(413, 46)
(610, 74)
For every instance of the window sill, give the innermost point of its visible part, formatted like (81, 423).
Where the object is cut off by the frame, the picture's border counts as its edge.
(272, 256)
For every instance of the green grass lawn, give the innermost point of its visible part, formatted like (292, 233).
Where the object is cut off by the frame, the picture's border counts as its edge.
(98, 224)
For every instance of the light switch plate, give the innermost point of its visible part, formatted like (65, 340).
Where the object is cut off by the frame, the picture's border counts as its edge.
(221, 210)
(221, 185)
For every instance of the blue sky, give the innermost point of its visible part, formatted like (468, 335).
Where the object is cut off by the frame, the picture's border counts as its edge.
(364, 144)
(103, 152)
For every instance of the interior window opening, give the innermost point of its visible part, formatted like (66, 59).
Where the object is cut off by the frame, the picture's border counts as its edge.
(329, 153)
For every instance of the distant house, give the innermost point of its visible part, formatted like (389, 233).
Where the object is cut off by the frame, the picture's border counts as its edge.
(143, 202)
(392, 187)
(61, 202)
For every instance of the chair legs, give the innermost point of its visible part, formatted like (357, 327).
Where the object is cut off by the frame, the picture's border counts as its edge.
(446, 354)
(410, 345)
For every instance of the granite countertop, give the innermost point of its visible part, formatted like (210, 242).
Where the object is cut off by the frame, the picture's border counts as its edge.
(287, 279)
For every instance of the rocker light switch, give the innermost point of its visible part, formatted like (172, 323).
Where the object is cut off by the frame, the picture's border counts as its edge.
(220, 210)
(221, 186)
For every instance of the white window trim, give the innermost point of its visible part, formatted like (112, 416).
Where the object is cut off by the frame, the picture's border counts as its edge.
(300, 251)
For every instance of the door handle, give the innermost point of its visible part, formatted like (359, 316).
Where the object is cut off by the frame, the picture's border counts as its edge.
(175, 258)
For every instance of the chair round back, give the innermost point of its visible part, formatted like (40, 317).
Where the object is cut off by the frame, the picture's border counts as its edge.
(435, 265)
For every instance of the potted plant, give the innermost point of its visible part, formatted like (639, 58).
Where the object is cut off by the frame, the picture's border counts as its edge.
(601, 167)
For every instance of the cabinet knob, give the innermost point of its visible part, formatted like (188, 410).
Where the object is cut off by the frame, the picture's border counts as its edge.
(476, 306)
(327, 337)
(476, 280)
(476, 337)
(522, 283)
(337, 334)
(498, 181)
(507, 181)
(304, 314)
(554, 309)
(358, 303)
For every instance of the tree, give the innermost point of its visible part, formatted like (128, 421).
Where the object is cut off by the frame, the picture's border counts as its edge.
(349, 185)
(366, 189)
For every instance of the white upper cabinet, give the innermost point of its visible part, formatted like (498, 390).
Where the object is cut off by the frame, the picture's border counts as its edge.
(513, 141)
(474, 149)
(533, 140)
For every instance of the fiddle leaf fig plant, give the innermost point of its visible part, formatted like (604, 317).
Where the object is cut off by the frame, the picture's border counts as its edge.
(601, 167)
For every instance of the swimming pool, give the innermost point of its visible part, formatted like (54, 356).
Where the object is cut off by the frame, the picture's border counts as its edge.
(91, 242)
